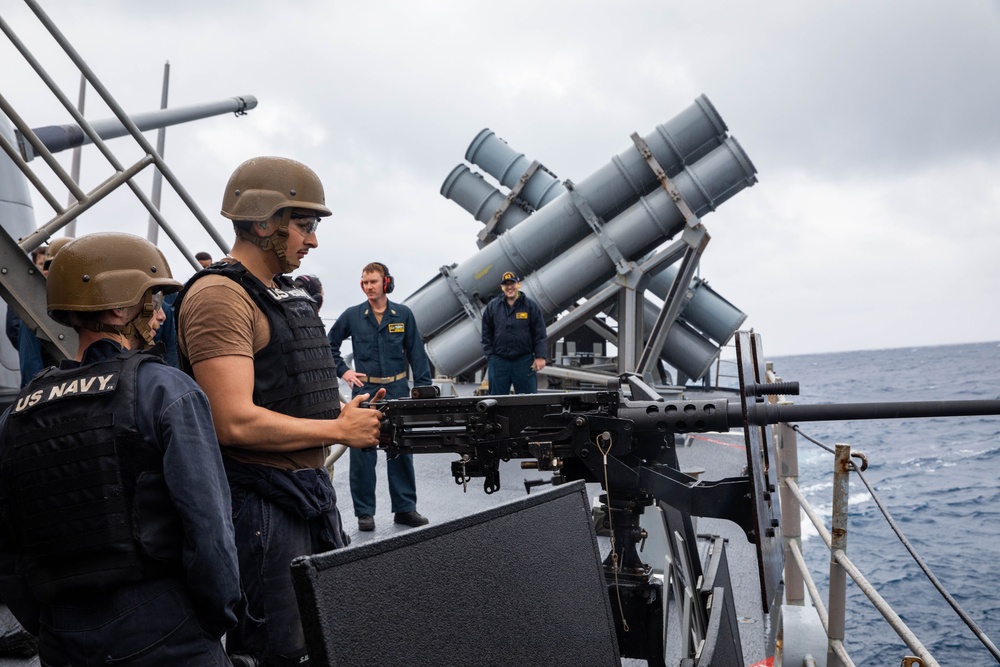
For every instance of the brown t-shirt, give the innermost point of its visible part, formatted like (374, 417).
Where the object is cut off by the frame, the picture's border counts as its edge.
(217, 319)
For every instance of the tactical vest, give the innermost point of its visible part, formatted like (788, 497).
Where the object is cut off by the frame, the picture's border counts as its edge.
(87, 499)
(294, 374)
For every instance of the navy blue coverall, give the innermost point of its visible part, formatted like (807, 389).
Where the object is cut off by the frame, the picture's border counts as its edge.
(382, 351)
(512, 338)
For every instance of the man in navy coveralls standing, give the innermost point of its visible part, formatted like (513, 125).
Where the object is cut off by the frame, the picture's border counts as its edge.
(514, 339)
(385, 341)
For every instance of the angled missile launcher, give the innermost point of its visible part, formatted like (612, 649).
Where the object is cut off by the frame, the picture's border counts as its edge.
(545, 236)
(705, 315)
(679, 142)
(569, 240)
(532, 186)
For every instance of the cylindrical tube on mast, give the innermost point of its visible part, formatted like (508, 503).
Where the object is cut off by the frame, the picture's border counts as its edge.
(60, 137)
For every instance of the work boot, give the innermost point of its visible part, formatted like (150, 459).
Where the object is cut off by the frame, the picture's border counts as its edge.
(412, 519)
(366, 522)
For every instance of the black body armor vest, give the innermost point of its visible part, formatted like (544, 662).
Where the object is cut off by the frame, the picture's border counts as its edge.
(294, 374)
(87, 498)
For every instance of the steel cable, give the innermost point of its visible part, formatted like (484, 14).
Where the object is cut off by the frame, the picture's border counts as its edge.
(986, 641)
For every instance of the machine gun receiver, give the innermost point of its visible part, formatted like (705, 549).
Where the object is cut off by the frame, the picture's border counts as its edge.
(621, 438)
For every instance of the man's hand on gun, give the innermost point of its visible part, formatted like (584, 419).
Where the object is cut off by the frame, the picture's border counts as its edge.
(362, 424)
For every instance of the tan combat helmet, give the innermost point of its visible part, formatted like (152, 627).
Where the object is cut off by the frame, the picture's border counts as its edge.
(262, 186)
(99, 272)
(55, 245)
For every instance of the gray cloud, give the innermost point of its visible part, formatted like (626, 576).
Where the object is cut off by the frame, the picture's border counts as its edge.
(871, 125)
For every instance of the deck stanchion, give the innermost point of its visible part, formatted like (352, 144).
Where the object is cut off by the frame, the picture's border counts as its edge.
(791, 522)
(838, 533)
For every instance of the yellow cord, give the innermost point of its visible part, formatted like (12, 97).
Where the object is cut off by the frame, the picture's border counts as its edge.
(611, 527)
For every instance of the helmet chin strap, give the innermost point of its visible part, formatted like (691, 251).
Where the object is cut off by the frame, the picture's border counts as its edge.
(276, 242)
(137, 331)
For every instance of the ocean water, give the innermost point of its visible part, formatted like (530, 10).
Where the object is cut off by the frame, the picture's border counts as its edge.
(938, 477)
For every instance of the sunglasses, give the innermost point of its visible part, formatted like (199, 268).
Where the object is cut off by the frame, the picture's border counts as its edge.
(157, 301)
(306, 222)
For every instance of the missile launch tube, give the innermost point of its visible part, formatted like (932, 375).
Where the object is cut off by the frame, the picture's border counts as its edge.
(470, 191)
(705, 315)
(559, 278)
(644, 226)
(688, 351)
(683, 140)
(685, 348)
(543, 237)
(496, 158)
(61, 137)
(712, 314)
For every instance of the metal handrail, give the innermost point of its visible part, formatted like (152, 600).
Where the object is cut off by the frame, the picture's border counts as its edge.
(800, 562)
(840, 563)
(64, 216)
(983, 638)
(718, 368)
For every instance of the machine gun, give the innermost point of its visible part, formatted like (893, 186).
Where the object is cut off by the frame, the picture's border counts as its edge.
(623, 437)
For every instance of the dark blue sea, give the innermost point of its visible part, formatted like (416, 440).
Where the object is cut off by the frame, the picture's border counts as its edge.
(940, 479)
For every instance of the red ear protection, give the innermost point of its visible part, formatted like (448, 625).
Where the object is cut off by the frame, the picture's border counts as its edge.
(388, 284)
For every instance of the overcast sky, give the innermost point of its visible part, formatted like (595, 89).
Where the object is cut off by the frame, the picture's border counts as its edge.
(873, 126)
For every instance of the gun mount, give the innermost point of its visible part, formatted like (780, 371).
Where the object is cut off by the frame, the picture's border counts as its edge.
(623, 438)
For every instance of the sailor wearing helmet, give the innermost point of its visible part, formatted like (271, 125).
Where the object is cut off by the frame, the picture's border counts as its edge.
(115, 533)
(255, 344)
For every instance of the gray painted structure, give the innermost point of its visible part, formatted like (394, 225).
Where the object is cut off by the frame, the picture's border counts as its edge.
(532, 186)
(559, 252)
(61, 137)
(21, 285)
(611, 190)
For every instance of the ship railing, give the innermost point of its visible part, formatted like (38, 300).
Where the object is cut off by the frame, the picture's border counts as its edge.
(797, 576)
(122, 175)
(22, 288)
(727, 367)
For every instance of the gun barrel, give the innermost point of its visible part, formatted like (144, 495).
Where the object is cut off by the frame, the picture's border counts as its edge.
(432, 419)
(683, 416)
(891, 410)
